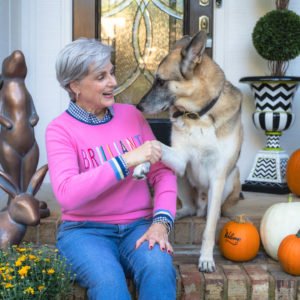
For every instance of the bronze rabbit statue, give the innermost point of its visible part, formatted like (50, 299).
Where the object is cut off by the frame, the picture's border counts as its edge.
(19, 151)
(23, 209)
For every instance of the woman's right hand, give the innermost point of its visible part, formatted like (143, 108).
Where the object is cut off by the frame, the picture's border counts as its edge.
(149, 151)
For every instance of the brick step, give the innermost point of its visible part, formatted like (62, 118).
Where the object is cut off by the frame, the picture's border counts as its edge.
(189, 254)
(261, 278)
(186, 231)
(230, 281)
(190, 230)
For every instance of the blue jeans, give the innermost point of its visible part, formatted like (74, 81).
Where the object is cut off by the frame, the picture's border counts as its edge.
(103, 255)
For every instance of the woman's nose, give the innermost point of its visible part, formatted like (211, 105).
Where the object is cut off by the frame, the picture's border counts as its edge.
(112, 80)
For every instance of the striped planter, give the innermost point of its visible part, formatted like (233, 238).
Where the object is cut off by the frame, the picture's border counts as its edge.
(273, 103)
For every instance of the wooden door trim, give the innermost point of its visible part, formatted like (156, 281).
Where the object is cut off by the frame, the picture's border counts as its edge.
(85, 19)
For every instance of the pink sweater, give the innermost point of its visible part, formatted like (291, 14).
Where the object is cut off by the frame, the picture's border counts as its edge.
(84, 173)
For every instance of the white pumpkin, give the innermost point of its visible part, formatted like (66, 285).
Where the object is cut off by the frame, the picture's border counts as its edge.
(279, 220)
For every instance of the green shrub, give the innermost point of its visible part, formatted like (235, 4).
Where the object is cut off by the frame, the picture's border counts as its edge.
(276, 36)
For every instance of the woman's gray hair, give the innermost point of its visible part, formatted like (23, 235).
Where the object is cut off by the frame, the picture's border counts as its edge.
(74, 60)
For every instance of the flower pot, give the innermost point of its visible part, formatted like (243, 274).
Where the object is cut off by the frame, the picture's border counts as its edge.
(273, 102)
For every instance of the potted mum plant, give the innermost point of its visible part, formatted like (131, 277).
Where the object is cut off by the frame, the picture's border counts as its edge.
(276, 38)
(30, 272)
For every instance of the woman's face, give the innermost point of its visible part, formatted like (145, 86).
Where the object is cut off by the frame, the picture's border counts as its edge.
(95, 91)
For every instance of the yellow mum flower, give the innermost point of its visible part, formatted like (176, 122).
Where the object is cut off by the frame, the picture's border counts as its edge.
(29, 290)
(9, 277)
(18, 263)
(8, 285)
(50, 271)
(23, 271)
(22, 258)
(32, 257)
(41, 287)
(21, 249)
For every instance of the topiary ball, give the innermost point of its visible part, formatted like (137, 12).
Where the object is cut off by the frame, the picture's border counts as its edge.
(276, 35)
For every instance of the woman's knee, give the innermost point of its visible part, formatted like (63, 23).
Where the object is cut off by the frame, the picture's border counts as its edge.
(159, 263)
(109, 287)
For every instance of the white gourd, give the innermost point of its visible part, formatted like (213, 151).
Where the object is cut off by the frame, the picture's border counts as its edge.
(279, 220)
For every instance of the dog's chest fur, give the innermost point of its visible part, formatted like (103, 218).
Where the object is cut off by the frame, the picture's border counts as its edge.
(205, 153)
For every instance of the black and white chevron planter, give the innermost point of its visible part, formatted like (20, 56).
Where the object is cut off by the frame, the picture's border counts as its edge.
(273, 102)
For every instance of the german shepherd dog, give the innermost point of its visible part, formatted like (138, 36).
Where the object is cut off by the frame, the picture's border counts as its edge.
(206, 138)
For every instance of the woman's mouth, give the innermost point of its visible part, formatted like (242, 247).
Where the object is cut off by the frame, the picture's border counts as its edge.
(108, 95)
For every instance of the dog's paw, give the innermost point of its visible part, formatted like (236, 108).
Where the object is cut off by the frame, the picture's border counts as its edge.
(185, 212)
(206, 265)
(201, 211)
(141, 171)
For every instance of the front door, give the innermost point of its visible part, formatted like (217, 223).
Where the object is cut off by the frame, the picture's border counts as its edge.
(141, 33)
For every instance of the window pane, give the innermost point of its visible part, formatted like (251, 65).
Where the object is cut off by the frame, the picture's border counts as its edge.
(141, 32)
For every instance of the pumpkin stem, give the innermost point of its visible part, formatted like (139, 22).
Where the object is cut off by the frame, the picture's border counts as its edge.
(290, 198)
(298, 234)
(240, 218)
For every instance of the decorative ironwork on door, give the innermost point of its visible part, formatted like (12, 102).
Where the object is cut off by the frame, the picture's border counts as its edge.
(141, 32)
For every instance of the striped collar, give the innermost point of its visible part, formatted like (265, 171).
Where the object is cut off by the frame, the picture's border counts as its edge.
(86, 117)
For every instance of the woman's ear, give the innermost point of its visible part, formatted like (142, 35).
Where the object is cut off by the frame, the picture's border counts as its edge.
(74, 87)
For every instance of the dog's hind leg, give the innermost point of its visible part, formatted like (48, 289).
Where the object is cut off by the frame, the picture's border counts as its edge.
(232, 191)
(206, 260)
(201, 204)
(186, 194)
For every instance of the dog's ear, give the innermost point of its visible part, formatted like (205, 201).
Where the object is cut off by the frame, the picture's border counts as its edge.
(192, 54)
(182, 42)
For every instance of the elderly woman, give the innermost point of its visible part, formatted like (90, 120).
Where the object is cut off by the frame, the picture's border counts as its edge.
(111, 226)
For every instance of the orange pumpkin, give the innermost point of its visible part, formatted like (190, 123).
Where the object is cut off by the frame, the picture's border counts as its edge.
(293, 172)
(239, 240)
(289, 254)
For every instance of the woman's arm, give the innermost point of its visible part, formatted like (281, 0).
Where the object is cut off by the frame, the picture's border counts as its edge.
(163, 181)
(72, 188)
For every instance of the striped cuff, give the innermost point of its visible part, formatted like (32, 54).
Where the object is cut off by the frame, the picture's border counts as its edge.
(126, 169)
(164, 217)
(119, 166)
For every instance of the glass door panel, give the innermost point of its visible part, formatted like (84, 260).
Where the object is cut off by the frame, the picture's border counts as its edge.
(141, 32)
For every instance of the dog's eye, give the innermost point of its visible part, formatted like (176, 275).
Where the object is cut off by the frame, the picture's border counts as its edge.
(160, 81)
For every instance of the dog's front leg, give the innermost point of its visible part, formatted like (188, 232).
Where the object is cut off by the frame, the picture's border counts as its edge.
(174, 159)
(206, 260)
(170, 157)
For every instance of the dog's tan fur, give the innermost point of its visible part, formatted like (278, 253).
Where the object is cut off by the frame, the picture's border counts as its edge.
(204, 150)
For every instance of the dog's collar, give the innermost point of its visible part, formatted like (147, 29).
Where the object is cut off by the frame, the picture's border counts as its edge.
(196, 115)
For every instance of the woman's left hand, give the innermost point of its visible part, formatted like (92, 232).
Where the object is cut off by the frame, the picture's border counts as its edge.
(157, 233)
